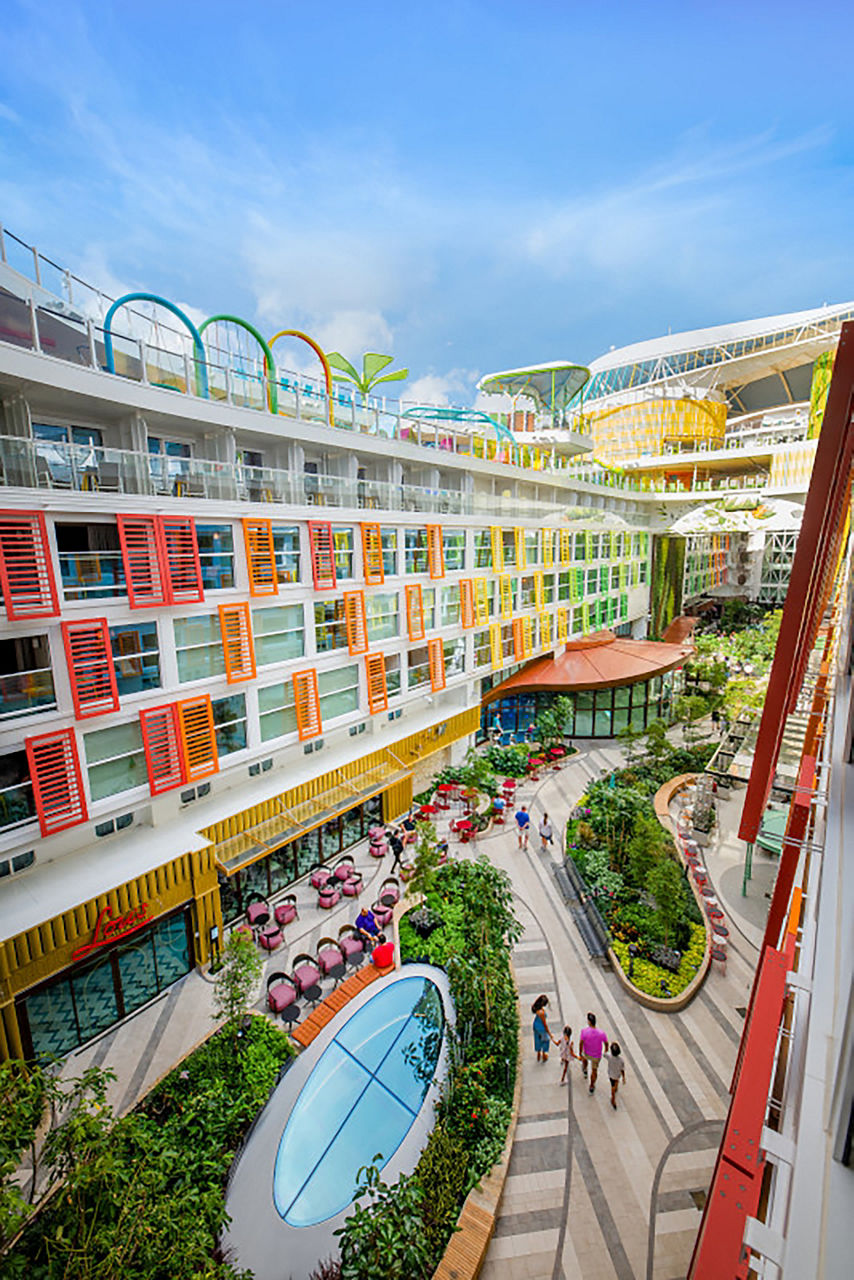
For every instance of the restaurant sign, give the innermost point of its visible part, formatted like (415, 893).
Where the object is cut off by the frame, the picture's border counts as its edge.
(109, 929)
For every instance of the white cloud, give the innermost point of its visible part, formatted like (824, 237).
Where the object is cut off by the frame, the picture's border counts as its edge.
(454, 387)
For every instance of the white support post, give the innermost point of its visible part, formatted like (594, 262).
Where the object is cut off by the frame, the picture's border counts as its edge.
(34, 324)
(143, 371)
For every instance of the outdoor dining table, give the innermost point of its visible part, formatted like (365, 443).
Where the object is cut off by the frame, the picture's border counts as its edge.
(429, 808)
(720, 930)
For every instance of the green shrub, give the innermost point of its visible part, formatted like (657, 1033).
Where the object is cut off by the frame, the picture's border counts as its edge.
(511, 762)
(648, 977)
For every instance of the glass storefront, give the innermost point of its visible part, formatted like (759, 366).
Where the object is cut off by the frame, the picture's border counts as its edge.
(87, 999)
(294, 860)
(596, 713)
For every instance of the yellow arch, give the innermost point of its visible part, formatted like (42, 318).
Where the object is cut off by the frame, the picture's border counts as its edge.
(321, 354)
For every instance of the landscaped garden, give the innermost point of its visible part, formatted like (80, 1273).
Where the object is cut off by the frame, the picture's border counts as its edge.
(629, 866)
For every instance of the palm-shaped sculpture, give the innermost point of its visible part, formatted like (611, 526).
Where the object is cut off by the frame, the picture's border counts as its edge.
(372, 366)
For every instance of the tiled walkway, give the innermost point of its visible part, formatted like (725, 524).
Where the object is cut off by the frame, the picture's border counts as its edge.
(591, 1192)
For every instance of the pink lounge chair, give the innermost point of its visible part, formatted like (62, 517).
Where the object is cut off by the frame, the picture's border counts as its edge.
(328, 896)
(331, 960)
(353, 887)
(286, 912)
(257, 910)
(319, 876)
(281, 992)
(351, 945)
(270, 937)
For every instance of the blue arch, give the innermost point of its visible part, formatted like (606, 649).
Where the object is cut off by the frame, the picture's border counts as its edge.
(198, 346)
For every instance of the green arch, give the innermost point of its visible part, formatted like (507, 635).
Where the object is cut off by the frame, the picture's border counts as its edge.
(198, 345)
(272, 395)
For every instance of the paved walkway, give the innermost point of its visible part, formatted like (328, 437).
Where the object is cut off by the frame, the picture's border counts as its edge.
(591, 1192)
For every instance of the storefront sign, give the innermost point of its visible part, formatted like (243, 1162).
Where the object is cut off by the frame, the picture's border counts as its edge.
(109, 929)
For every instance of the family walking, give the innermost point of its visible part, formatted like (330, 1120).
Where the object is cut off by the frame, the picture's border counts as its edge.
(593, 1044)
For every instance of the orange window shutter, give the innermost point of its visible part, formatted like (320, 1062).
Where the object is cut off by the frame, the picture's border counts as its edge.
(506, 596)
(495, 645)
(141, 544)
(26, 572)
(518, 640)
(90, 667)
(436, 658)
(161, 740)
(198, 737)
(372, 555)
(547, 548)
(181, 560)
(356, 621)
(415, 612)
(260, 557)
(322, 555)
(237, 646)
(377, 688)
(307, 702)
(481, 602)
(519, 540)
(497, 548)
(467, 602)
(57, 782)
(435, 551)
(539, 591)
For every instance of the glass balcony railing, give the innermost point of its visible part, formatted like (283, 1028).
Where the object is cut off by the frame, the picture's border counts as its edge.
(23, 693)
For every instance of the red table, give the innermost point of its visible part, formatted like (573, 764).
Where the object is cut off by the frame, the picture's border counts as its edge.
(429, 808)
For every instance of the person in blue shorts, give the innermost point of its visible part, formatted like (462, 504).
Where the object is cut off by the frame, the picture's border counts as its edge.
(523, 826)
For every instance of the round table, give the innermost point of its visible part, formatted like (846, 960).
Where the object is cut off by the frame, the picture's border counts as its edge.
(720, 930)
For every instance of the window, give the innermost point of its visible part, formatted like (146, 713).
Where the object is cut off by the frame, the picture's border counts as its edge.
(580, 546)
(415, 550)
(286, 550)
(454, 543)
(339, 692)
(198, 647)
(216, 555)
(508, 543)
(19, 862)
(532, 547)
(169, 462)
(342, 542)
(90, 561)
(392, 674)
(449, 606)
(26, 678)
(279, 633)
(389, 541)
(483, 549)
(482, 649)
(383, 612)
(115, 760)
(592, 581)
(276, 710)
(230, 721)
(17, 803)
(428, 604)
(455, 657)
(526, 595)
(67, 457)
(136, 656)
(417, 667)
(330, 631)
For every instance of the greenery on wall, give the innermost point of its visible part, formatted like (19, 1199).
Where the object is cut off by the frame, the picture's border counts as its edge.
(668, 567)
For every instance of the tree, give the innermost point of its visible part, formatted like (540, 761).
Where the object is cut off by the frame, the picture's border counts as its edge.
(384, 1239)
(372, 365)
(236, 981)
(23, 1095)
(550, 724)
(664, 882)
(647, 845)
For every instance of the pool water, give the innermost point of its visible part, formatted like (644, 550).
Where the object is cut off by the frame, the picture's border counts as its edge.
(359, 1101)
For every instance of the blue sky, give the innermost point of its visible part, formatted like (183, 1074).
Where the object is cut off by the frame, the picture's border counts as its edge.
(469, 186)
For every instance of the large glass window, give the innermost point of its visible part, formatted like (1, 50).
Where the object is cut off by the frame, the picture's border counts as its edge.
(26, 677)
(454, 548)
(230, 720)
(330, 631)
(216, 555)
(115, 759)
(136, 656)
(16, 791)
(382, 612)
(415, 550)
(286, 549)
(417, 667)
(428, 599)
(198, 647)
(276, 713)
(169, 462)
(532, 547)
(508, 542)
(482, 648)
(342, 542)
(483, 549)
(90, 561)
(455, 657)
(392, 674)
(389, 542)
(338, 691)
(449, 605)
(279, 633)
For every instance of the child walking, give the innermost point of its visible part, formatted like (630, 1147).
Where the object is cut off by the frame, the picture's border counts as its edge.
(616, 1071)
(566, 1052)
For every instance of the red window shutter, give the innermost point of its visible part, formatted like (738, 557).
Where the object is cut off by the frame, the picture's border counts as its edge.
(436, 657)
(467, 602)
(435, 551)
(260, 557)
(26, 572)
(518, 640)
(160, 738)
(356, 621)
(181, 559)
(57, 784)
(90, 666)
(372, 555)
(237, 646)
(322, 555)
(377, 688)
(307, 704)
(198, 737)
(415, 612)
(146, 582)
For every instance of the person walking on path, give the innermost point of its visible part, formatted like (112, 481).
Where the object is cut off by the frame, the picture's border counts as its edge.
(616, 1071)
(547, 834)
(566, 1052)
(542, 1035)
(592, 1042)
(396, 846)
(523, 825)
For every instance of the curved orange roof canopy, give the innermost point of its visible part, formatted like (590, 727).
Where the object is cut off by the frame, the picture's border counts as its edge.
(600, 660)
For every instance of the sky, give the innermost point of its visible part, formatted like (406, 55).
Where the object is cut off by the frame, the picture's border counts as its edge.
(467, 186)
